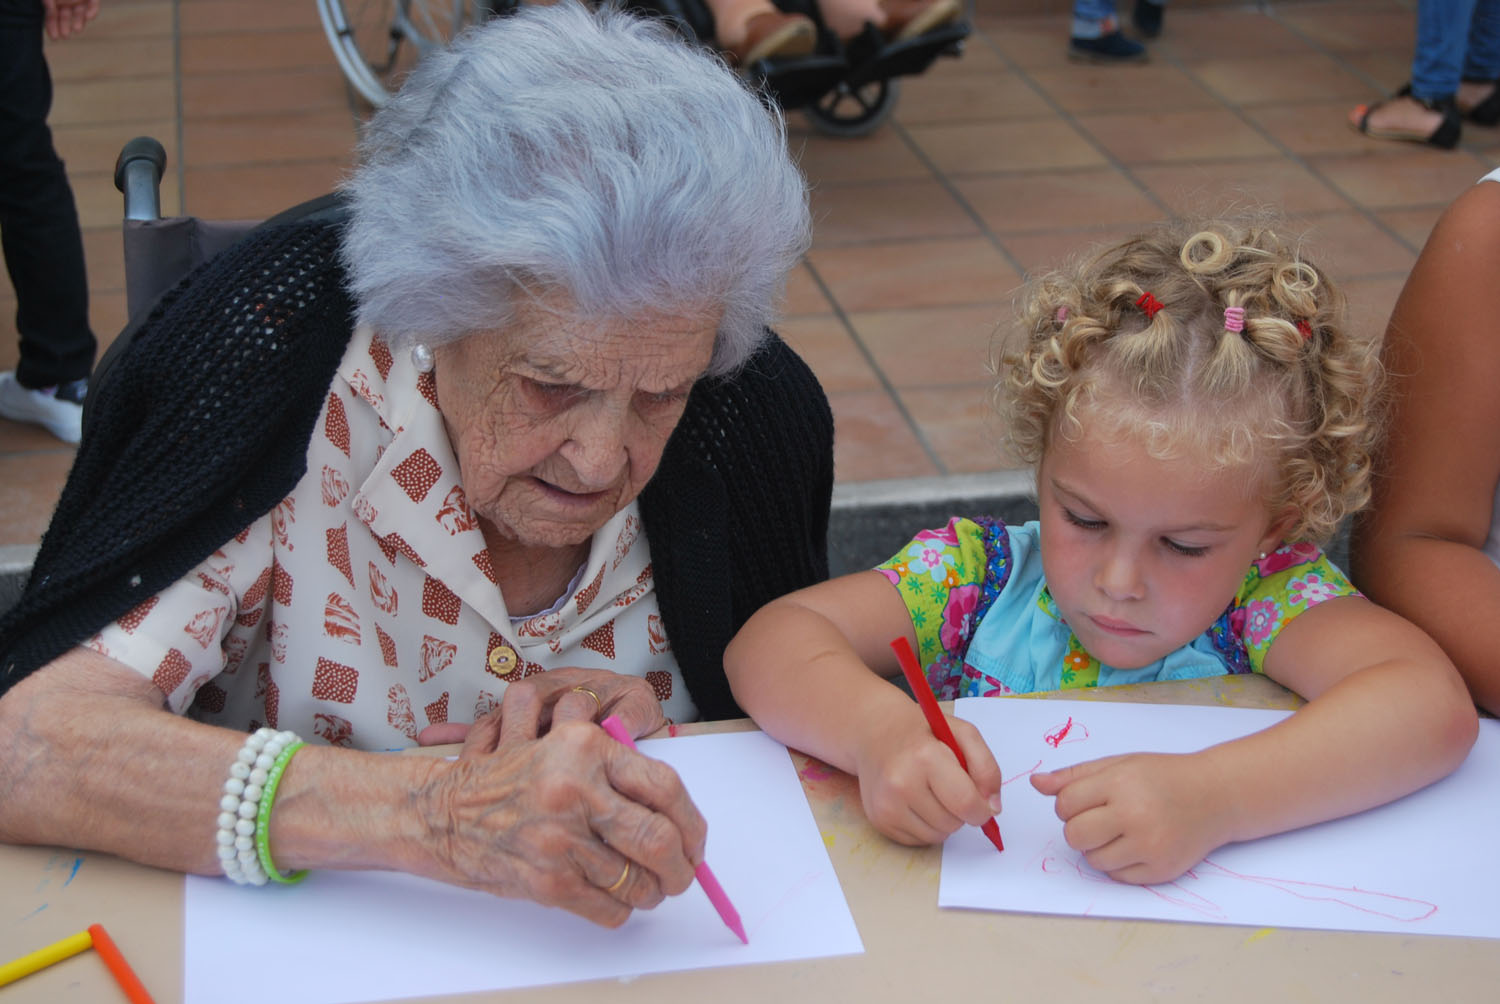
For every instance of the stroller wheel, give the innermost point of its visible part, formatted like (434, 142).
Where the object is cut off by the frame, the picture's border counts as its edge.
(853, 111)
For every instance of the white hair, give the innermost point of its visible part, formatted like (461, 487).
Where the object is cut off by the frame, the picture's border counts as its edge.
(592, 153)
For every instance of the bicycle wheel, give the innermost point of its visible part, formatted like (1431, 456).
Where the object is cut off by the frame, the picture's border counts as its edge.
(377, 42)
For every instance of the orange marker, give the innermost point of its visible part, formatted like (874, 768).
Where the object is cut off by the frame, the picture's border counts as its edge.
(135, 991)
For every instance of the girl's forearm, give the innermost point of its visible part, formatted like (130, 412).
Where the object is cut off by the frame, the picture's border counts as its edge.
(798, 676)
(1351, 749)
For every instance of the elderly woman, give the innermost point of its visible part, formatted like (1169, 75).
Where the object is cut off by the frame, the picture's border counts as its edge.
(512, 446)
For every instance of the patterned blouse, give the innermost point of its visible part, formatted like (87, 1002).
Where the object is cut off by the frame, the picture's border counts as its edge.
(363, 607)
(986, 623)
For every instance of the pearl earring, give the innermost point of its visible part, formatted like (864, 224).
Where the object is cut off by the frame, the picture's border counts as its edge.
(1263, 556)
(421, 358)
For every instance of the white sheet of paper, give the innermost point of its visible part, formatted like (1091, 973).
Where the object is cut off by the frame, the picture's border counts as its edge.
(1419, 865)
(359, 936)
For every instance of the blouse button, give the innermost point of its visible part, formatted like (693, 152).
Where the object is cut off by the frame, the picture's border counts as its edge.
(502, 660)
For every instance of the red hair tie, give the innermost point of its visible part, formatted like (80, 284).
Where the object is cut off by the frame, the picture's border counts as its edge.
(1305, 329)
(1149, 304)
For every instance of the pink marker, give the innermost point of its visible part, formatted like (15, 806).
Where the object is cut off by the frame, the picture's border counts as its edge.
(706, 879)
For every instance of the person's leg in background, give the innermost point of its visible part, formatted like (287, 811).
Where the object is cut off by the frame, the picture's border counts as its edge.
(42, 246)
(1097, 37)
(1148, 17)
(897, 20)
(1479, 89)
(1425, 110)
(752, 30)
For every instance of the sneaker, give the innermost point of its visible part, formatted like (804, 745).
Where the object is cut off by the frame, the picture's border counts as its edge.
(59, 409)
(1148, 17)
(1111, 48)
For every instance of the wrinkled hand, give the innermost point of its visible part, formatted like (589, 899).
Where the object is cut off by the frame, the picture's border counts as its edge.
(549, 699)
(912, 787)
(66, 18)
(556, 819)
(1141, 818)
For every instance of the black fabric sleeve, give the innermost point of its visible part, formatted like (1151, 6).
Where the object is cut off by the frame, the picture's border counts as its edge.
(200, 428)
(737, 514)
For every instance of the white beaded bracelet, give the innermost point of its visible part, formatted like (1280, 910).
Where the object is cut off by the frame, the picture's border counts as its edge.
(240, 805)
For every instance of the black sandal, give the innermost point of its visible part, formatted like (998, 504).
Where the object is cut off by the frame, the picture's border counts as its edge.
(1487, 112)
(1445, 136)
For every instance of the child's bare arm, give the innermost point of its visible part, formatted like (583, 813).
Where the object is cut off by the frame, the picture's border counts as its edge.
(1387, 714)
(808, 668)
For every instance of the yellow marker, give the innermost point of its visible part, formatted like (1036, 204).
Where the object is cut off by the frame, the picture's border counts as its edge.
(44, 957)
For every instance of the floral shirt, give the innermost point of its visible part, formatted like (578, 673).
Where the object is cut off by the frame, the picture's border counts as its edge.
(363, 607)
(986, 623)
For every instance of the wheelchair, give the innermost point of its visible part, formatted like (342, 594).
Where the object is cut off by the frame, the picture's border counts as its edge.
(844, 88)
(159, 251)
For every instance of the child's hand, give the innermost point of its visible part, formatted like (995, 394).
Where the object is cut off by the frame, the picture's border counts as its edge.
(912, 787)
(1140, 818)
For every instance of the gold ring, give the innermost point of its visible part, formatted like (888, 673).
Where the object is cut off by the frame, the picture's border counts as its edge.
(598, 704)
(621, 880)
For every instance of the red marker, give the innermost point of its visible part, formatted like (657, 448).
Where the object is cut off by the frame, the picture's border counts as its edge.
(706, 878)
(936, 722)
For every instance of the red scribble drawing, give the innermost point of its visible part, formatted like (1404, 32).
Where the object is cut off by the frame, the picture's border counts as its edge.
(1065, 733)
(1055, 738)
(1179, 893)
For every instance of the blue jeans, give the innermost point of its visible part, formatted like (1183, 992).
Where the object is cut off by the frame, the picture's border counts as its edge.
(1456, 39)
(1096, 18)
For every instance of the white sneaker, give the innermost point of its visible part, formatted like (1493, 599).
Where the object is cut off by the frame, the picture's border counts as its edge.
(58, 409)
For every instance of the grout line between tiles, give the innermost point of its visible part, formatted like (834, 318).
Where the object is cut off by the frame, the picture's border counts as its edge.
(1068, 117)
(885, 382)
(1269, 10)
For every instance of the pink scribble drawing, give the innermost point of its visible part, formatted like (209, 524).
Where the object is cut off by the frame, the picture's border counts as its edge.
(1391, 906)
(1064, 734)
(1025, 773)
(816, 770)
(1381, 904)
(794, 892)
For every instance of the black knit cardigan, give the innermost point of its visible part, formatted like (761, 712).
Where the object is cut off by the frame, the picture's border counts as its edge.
(203, 425)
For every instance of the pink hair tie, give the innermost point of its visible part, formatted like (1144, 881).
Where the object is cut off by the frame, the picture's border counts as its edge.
(1234, 319)
(1062, 314)
(1150, 304)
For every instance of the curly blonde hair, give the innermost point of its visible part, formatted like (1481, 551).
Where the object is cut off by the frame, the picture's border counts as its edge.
(1294, 391)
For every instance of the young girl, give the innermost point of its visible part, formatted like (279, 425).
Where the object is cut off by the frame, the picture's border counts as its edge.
(1199, 417)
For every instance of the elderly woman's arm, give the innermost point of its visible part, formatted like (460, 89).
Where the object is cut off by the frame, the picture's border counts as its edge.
(90, 758)
(1419, 551)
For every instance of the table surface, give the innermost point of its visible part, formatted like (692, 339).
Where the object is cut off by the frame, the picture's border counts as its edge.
(913, 950)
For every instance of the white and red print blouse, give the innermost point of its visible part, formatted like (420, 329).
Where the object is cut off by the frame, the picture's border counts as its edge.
(363, 607)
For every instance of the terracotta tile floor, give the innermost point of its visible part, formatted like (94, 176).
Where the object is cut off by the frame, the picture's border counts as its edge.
(994, 163)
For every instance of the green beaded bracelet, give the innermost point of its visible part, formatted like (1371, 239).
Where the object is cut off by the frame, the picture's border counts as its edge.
(263, 818)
